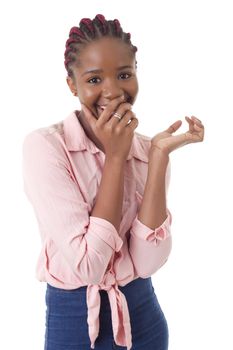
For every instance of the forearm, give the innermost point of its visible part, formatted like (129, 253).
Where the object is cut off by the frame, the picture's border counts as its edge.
(110, 194)
(152, 212)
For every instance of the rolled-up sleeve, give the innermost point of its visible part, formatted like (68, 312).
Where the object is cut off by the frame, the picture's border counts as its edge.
(149, 249)
(86, 242)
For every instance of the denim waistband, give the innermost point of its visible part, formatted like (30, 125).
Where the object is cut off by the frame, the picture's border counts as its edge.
(141, 283)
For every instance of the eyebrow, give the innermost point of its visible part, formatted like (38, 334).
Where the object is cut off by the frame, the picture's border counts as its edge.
(101, 71)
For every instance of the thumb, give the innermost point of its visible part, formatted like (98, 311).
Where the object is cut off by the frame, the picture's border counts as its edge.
(89, 115)
(174, 127)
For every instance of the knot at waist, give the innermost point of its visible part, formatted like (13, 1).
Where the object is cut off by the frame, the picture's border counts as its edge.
(108, 281)
(119, 311)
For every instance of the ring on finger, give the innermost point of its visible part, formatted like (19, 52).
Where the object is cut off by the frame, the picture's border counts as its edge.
(117, 115)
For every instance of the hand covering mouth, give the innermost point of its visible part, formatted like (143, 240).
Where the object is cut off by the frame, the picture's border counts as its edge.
(101, 107)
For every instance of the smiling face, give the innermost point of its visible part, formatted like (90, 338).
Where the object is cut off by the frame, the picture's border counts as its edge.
(106, 70)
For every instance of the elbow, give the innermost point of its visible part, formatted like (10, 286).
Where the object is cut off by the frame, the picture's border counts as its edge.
(149, 260)
(92, 268)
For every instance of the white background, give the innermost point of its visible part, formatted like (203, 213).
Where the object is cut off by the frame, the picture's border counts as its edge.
(184, 68)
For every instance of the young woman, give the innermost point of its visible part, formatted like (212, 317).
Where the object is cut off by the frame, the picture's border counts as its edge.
(99, 189)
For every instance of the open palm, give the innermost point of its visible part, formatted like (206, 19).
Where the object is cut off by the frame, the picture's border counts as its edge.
(167, 142)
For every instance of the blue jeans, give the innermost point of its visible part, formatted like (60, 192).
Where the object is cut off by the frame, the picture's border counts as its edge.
(66, 319)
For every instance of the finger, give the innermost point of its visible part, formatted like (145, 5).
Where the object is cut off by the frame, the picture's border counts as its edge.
(198, 121)
(198, 127)
(133, 123)
(127, 118)
(110, 108)
(195, 127)
(198, 134)
(190, 121)
(174, 127)
(193, 117)
(89, 115)
(122, 110)
(191, 124)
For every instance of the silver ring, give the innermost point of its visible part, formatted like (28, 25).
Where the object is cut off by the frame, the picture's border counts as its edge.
(117, 115)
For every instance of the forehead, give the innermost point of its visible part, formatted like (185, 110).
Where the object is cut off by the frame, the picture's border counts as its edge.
(103, 51)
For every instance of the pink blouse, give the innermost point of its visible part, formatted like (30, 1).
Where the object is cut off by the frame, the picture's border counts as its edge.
(62, 170)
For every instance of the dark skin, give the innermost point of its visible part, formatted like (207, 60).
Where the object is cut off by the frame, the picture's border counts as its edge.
(107, 55)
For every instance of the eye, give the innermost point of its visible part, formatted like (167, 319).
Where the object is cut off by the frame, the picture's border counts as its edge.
(93, 80)
(125, 75)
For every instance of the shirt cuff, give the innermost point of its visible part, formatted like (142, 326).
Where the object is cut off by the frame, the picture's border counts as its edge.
(106, 231)
(144, 232)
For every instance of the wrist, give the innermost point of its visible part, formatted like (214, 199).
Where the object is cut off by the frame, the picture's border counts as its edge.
(157, 154)
(114, 160)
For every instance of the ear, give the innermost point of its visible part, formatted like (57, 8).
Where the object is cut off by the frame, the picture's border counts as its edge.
(71, 85)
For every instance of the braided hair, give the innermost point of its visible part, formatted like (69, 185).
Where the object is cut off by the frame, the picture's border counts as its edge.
(90, 30)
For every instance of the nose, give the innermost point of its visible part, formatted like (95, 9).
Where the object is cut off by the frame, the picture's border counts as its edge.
(112, 90)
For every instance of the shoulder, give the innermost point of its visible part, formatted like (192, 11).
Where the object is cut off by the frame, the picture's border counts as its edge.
(48, 138)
